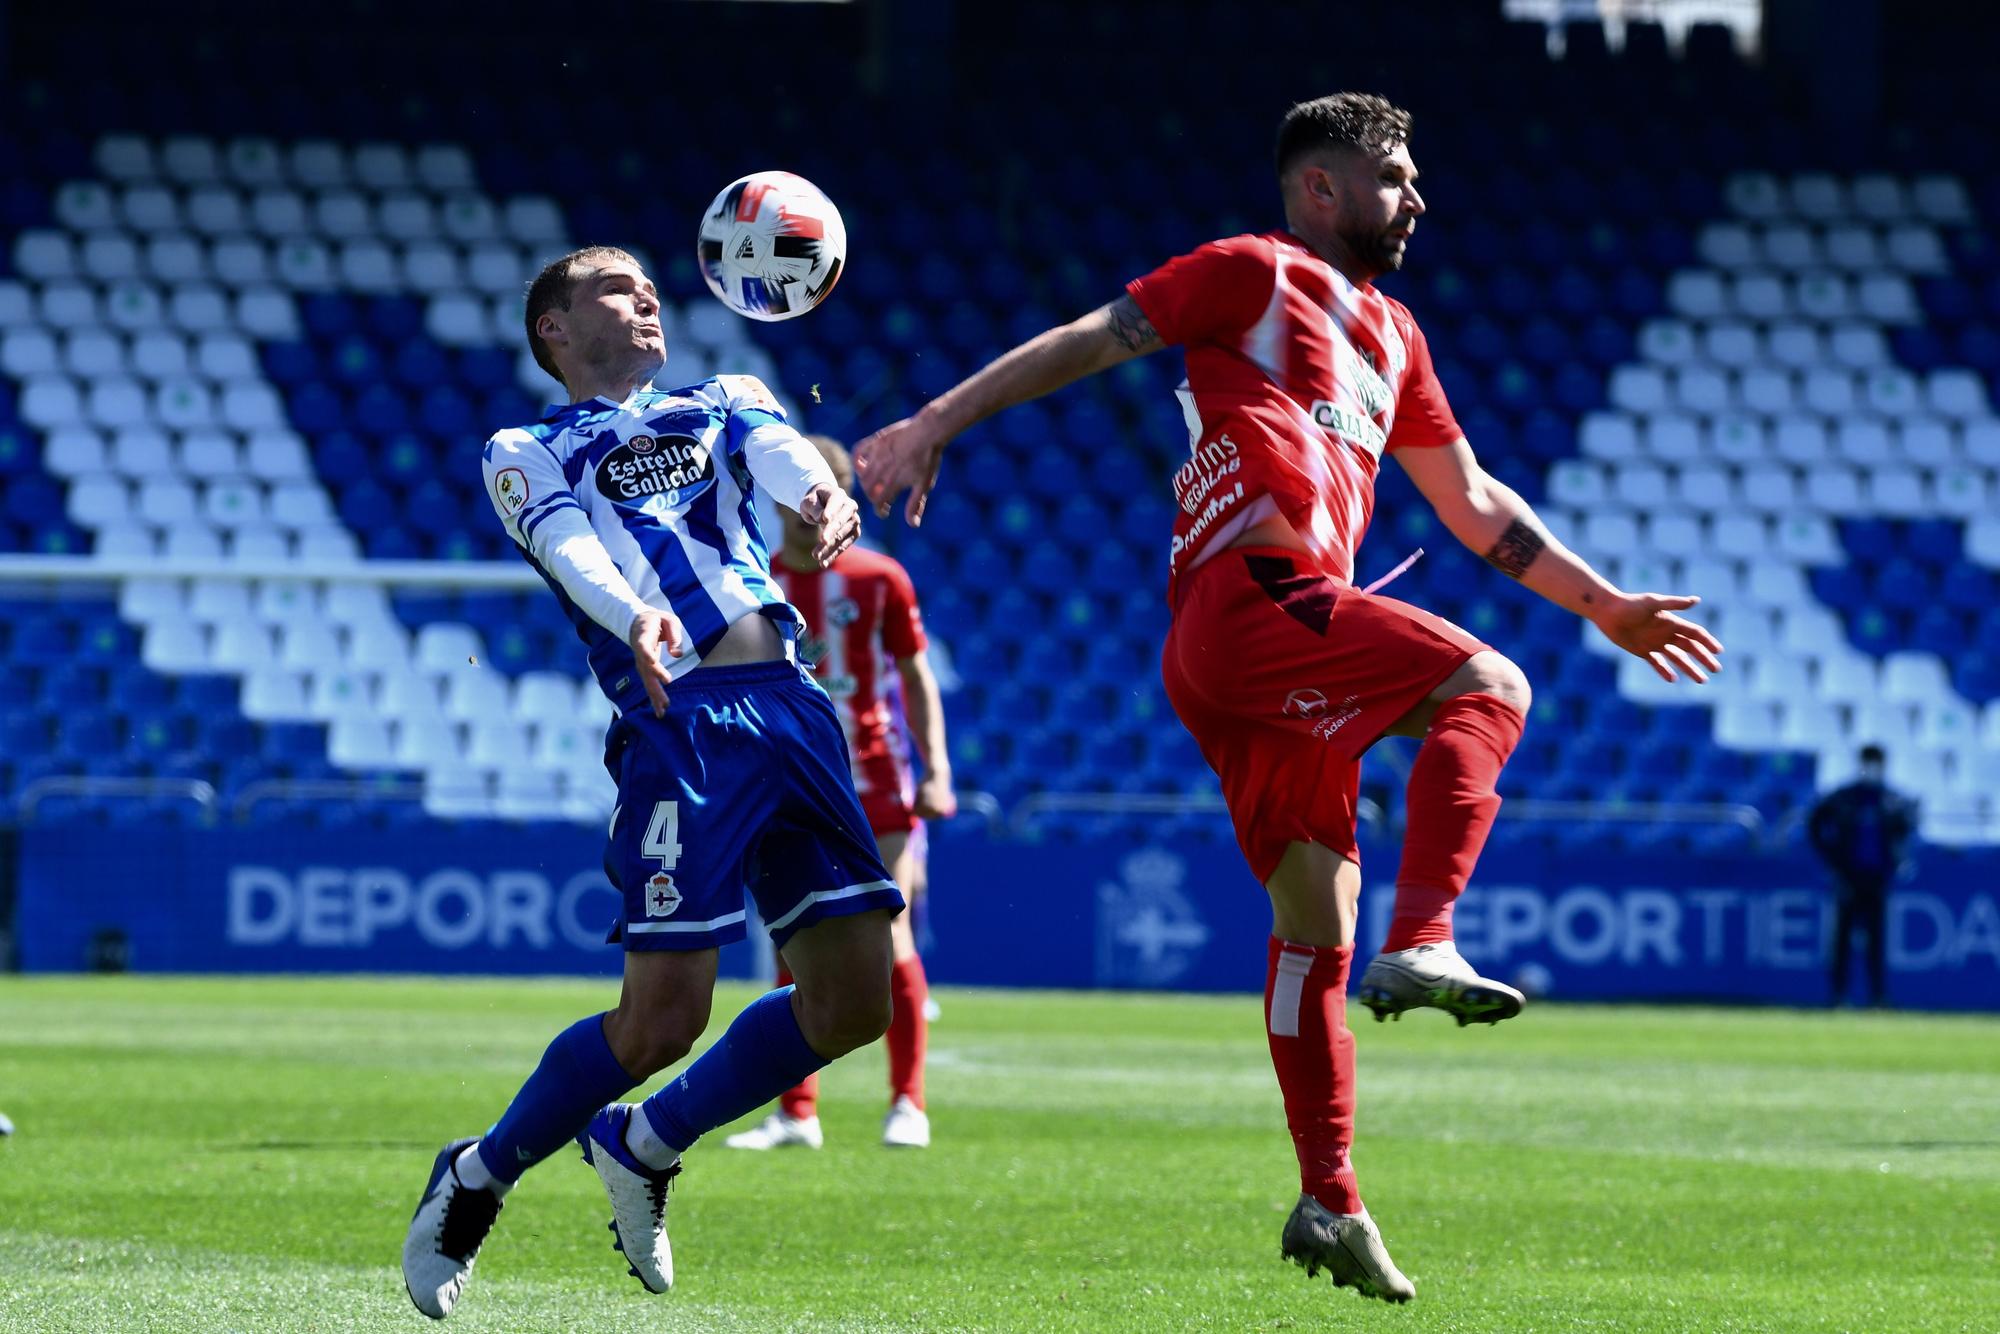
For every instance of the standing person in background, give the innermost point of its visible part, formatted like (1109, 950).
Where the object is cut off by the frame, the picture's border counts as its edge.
(1301, 379)
(1862, 832)
(860, 611)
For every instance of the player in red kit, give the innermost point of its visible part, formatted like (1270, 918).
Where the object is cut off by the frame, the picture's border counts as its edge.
(1301, 377)
(861, 614)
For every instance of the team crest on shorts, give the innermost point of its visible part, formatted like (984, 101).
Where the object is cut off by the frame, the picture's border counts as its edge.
(662, 895)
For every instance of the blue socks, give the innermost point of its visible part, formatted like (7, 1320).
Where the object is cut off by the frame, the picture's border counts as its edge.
(761, 1056)
(578, 1075)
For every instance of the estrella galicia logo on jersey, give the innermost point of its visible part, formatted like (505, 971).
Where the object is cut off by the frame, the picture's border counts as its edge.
(675, 468)
(843, 612)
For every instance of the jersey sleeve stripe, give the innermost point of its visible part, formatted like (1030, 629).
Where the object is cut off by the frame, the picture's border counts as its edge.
(541, 510)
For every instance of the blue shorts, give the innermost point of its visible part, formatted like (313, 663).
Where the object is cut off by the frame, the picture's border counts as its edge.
(745, 782)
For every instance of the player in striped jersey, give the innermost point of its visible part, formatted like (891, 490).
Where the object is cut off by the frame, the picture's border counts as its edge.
(638, 505)
(861, 614)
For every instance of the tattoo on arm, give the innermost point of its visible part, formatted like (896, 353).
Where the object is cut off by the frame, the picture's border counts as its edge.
(1516, 550)
(1130, 327)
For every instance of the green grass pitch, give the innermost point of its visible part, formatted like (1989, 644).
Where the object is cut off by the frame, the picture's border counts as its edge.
(244, 1155)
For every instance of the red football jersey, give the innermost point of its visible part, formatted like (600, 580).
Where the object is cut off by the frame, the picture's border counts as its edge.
(1297, 382)
(859, 615)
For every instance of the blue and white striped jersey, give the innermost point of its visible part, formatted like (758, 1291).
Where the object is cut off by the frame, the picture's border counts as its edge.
(668, 482)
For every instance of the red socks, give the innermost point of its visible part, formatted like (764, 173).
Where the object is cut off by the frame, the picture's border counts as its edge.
(1450, 809)
(909, 1033)
(1305, 1020)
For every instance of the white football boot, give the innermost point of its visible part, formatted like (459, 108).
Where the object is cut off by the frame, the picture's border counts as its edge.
(638, 1197)
(1347, 1246)
(450, 1225)
(907, 1126)
(1436, 975)
(778, 1131)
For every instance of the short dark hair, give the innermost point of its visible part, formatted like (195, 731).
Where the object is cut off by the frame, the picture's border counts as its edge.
(1362, 122)
(554, 286)
(1873, 754)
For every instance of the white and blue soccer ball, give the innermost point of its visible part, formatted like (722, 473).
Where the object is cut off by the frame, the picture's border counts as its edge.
(772, 246)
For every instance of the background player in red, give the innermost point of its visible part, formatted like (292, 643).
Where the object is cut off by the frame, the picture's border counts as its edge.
(1301, 376)
(860, 614)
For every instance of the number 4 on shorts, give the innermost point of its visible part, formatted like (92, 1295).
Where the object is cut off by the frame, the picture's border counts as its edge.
(663, 834)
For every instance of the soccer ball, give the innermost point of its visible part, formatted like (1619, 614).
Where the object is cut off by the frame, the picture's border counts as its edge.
(772, 246)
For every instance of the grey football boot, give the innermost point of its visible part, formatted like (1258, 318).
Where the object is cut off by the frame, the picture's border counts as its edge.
(1438, 976)
(1348, 1247)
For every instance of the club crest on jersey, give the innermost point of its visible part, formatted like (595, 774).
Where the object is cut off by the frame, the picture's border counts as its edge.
(662, 895)
(510, 485)
(843, 612)
(668, 469)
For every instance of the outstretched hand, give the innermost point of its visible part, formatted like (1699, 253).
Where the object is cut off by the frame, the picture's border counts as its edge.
(651, 632)
(1646, 626)
(838, 519)
(903, 455)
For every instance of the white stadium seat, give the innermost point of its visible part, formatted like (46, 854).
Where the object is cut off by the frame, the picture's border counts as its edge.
(1796, 344)
(134, 305)
(240, 646)
(140, 452)
(361, 742)
(1947, 724)
(1774, 677)
(1823, 296)
(144, 600)
(1862, 441)
(75, 450)
(275, 695)
(279, 600)
(1735, 438)
(184, 404)
(337, 692)
(494, 743)
(524, 793)
(1853, 248)
(1773, 585)
(470, 218)
(26, 352)
(252, 408)
(304, 265)
(174, 646)
(1818, 195)
(310, 645)
(1638, 389)
(326, 544)
(455, 320)
(1576, 482)
(1957, 393)
(542, 695)
(1769, 487)
(125, 157)
(1740, 534)
(495, 267)
(1847, 678)
(1800, 440)
(109, 258)
(343, 215)
(447, 646)
(408, 216)
(69, 305)
(1913, 678)
(267, 313)
(160, 354)
(192, 539)
(277, 454)
(1756, 194)
(1700, 389)
(1790, 247)
(471, 694)
(1810, 630)
(1746, 629)
(99, 500)
(1940, 199)
(1898, 490)
(115, 402)
(190, 160)
(1698, 294)
(257, 544)
(454, 792)
(1768, 392)
(1962, 492)
(227, 357)
(1667, 342)
(1671, 437)
(92, 354)
(197, 308)
(1732, 344)
(382, 166)
(1828, 391)
(51, 402)
(1805, 723)
(319, 164)
(408, 693)
(1605, 533)
(1892, 392)
(1675, 533)
(1880, 197)
(300, 504)
(533, 220)
(1915, 248)
(1928, 442)
(1836, 490)
(86, 206)
(1718, 581)
(444, 168)
(279, 214)
(354, 605)
(567, 746)
(1888, 299)
(369, 266)
(426, 740)
(1885, 722)
(215, 600)
(1761, 295)
(254, 162)
(233, 503)
(242, 261)
(166, 501)
(216, 211)
(1746, 724)
(1639, 485)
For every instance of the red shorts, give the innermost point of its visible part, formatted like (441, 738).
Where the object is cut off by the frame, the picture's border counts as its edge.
(1285, 677)
(887, 799)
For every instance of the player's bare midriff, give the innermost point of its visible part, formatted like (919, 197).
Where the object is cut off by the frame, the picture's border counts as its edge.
(751, 639)
(1271, 532)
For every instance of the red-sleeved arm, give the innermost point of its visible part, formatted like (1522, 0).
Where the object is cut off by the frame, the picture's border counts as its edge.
(1423, 417)
(1214, 292)
(902, 624)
